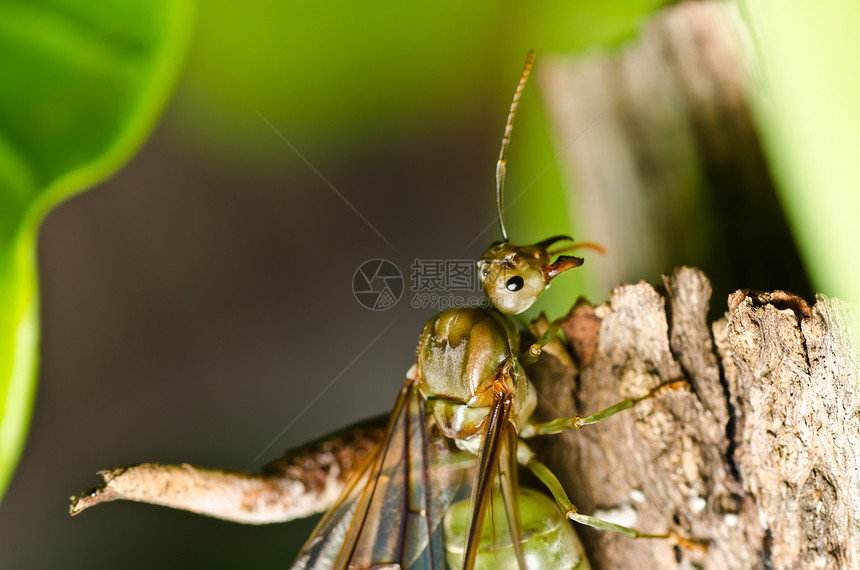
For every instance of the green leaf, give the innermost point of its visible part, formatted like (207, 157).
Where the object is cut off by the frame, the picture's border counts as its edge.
(83, 84)
(408, 67)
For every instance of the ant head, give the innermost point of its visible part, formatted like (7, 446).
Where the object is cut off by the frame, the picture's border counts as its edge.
(514, 276)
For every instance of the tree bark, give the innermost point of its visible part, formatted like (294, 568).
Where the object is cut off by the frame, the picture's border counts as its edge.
(759, 456)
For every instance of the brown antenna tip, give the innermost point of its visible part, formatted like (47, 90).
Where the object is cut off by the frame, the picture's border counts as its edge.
(506, 139)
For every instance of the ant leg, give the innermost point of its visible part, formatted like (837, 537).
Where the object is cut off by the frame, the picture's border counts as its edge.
(561, 424)
(570, 511)
(534, 351)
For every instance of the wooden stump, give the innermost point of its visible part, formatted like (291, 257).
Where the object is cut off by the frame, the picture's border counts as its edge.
(758, 457)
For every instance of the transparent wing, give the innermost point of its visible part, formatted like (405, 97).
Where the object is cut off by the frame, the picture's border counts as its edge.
(497, 458)
(323, 547)
(390, 514)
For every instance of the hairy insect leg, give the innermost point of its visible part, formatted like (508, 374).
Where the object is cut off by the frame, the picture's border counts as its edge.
(561, 424)
(548, 478)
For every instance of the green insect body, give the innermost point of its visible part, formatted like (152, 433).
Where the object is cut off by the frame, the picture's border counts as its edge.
(454, 429)
(466, 397)
(468, 365)
(548, 540)
(457, 428)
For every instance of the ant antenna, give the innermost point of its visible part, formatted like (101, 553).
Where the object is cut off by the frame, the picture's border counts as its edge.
(506, 139)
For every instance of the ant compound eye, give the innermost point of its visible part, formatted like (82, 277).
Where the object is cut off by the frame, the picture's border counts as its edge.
(515, 283)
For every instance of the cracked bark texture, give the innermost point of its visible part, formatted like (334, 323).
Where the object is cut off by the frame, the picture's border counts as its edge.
(758, 456)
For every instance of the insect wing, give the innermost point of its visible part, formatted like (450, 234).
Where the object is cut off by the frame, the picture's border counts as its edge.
(323, 547)
(390, 515)
(497, 457)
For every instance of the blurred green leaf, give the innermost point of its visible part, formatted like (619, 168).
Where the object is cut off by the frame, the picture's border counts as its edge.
(372, 70)
(83, 83)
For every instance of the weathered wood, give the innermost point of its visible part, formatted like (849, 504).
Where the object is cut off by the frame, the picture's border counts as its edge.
(794, 384)
(759, 456)
(664, 465)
